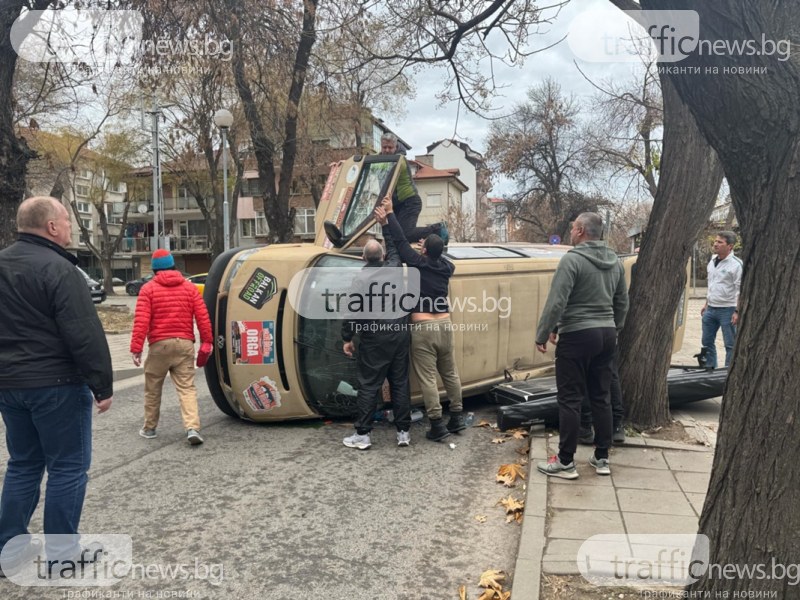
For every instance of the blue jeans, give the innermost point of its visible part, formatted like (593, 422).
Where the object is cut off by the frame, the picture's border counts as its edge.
(49, 427)
(715, 318)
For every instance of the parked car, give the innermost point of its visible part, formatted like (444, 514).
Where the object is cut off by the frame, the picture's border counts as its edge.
(132, 288)
(95, 288)
(199, 281)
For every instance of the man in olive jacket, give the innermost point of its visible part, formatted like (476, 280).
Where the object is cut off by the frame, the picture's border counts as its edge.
(588, 301)
(54, 366)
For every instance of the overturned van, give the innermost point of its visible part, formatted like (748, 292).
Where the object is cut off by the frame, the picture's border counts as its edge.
(274, 360)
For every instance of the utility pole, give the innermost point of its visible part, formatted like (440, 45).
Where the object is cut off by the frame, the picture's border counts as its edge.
(158, 210)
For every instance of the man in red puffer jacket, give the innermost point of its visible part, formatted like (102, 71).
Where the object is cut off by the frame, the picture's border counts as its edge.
(166, 310)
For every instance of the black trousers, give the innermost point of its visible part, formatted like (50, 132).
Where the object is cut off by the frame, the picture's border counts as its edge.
(383, 355)
(407, 213)
(583, 366)
(617, 405)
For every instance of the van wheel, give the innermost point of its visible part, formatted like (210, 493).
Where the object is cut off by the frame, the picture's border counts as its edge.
(132, 291)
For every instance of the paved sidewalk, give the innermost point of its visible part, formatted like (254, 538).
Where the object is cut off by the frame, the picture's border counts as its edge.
(655, 487)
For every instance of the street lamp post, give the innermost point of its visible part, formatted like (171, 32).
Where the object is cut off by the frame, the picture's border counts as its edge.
(224, 119)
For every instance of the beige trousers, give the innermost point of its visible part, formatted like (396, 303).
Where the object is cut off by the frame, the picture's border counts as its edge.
(176, 357)
(432, 352)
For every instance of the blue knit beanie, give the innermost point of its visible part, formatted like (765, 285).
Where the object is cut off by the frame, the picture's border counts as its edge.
(162, 259)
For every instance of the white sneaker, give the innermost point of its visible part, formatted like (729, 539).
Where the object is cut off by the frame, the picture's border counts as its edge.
(193, 437)
(600, 465)
(361, 442)
(403, 438)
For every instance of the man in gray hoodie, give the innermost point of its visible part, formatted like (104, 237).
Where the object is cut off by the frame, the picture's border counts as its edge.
(588, 301)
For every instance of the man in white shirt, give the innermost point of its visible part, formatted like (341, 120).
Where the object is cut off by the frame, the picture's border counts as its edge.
(721, 308)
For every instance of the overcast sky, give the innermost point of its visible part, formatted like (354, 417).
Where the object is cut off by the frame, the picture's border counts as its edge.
(424, 123)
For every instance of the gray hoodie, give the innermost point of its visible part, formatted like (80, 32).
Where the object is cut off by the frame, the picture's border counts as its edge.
(588, 290)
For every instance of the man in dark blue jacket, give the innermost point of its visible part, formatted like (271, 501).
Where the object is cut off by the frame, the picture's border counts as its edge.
(54, 366)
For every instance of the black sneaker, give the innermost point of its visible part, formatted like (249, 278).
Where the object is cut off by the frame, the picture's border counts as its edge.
(456, 422)
(586, 436)
(334, 234)
(438, 431)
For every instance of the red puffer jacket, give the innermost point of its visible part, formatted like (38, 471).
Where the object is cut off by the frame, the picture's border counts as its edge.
(166, 308)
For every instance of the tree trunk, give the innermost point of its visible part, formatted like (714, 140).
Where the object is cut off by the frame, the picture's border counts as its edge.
(751, 119)
(687, 189)
(14, 152)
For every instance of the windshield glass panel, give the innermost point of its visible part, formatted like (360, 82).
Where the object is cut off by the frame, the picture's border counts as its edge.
(373, 183)
(328, 377)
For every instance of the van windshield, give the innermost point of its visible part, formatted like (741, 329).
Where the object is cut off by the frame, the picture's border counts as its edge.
(328, 377)
(373, 184)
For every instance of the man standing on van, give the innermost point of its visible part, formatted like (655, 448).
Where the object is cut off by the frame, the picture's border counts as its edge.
(406, 201)
(720, 309)
(588, 301)
(54, 367)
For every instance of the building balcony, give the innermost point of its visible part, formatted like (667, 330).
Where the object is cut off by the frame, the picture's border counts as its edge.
(145, 245)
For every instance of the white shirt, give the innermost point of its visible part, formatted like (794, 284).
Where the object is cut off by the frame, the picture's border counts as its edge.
(724, 281)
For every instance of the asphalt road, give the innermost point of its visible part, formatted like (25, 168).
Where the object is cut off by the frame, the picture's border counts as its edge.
(286, 511)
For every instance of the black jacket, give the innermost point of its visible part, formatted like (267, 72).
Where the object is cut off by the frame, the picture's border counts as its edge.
(360, 285)
(50, 333)
(434, 275)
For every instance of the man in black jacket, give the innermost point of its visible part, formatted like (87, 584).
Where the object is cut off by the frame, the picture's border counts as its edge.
(54, 365)
(382, 353)
(432, 344)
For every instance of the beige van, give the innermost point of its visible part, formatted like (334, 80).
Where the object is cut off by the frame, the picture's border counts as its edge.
(272, 362)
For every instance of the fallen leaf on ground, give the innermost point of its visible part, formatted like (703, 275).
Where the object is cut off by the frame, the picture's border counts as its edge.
(524, 450)
(508, 474)
(483, 423)
(519, 434)
(462, 593)
(514, 517)
(500, 440)
(492, 579)
(487, 595)
(480, 518)
(513, 508)
(503, 595)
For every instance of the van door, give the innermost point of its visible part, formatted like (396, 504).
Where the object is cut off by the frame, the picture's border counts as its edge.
(354, 188)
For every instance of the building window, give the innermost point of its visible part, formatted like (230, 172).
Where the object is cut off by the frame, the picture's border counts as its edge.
(434, 200)
(84, 207)
(248, 228)
(82, 190)
(304, 220)
(84, 174)
(262, 229)
(87, 223)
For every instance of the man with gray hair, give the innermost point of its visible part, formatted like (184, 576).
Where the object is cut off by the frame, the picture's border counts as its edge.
(407, 204)
(588, 302)
(721, 308)
(54, 366)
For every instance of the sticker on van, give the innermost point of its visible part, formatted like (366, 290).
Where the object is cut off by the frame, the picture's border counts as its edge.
(262, 395)
(253, 342)
(259, 288)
